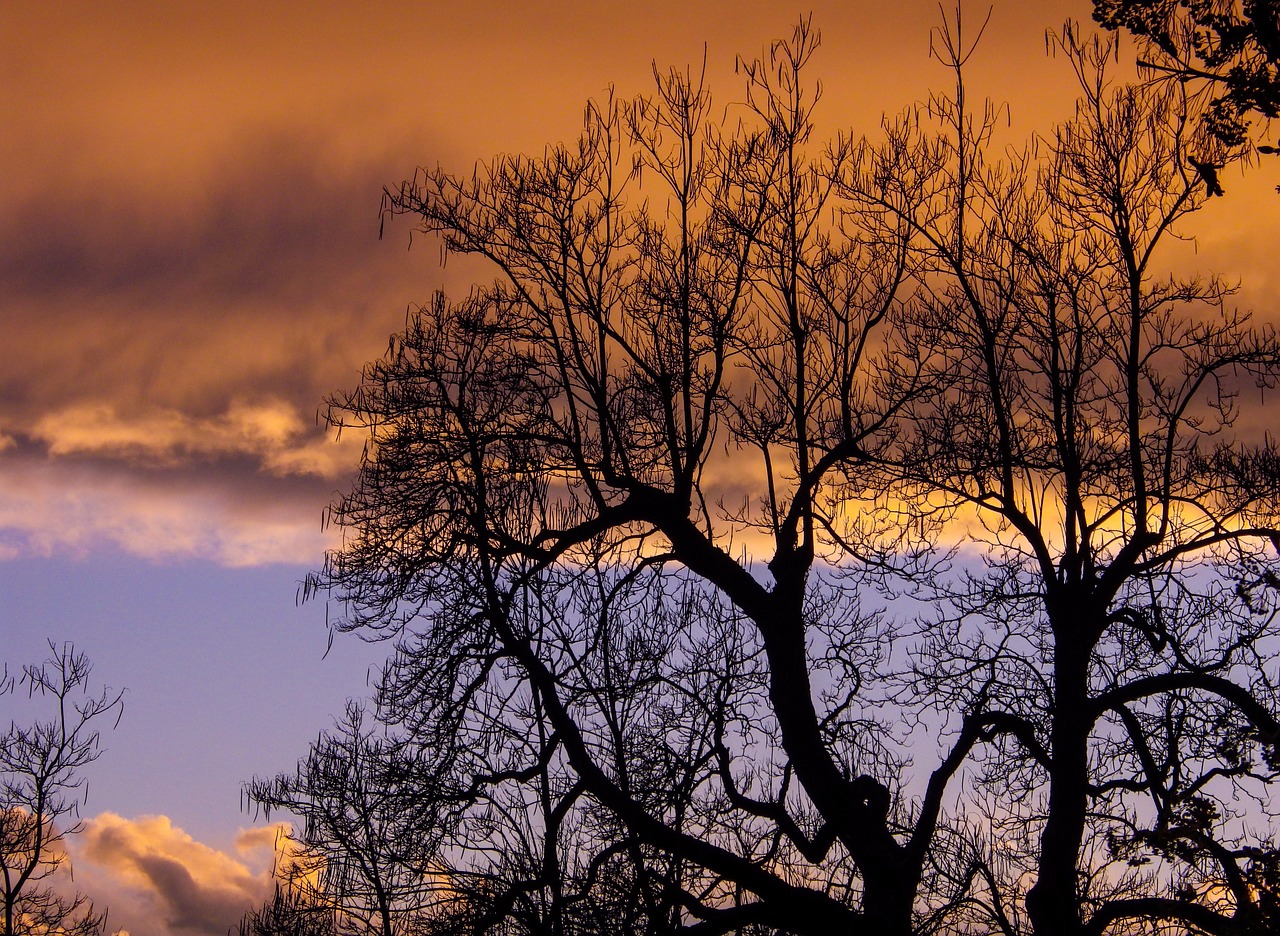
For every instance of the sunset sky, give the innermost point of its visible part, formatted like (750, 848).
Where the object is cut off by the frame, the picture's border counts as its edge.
(190, 263)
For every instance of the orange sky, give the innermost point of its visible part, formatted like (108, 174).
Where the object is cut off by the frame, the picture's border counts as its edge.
(189, 259)
(189, 213)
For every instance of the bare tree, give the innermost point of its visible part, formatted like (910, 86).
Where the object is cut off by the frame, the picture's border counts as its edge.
(291, 911)
(362, 856)
(634, 508)
(548, 458)
(42, 765)
(1118, 618)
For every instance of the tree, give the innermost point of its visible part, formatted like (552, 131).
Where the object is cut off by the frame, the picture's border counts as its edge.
(428, 836)
(1231, 48)
(533, 439)
(43, 788)
(361, 863)
(1121, 613)
(289, 912)
(633, 510)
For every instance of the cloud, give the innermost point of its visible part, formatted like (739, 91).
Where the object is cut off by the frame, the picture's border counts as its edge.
(158, 880)
(257, 276)
(168, 342)
(271, 431)
(235, 516)
(240, 487)
(259, 837)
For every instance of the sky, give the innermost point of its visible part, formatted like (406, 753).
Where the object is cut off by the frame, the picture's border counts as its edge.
(190, 263)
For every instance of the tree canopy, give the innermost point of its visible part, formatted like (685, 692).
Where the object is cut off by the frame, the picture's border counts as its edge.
(810, 538)
(1230, 47)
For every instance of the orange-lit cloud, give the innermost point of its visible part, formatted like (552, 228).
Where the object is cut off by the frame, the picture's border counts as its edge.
(159, 881)
(272, 432)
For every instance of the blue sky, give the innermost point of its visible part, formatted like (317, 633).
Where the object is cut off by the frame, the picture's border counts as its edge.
(226, 675)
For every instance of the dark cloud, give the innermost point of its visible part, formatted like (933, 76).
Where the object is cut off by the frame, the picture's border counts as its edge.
(266, 272)
(261, 220)
(166, 352)
(190, 906)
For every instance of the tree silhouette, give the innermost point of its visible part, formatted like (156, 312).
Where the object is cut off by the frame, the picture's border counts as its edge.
(561, 425)
(361, 861)
(441, 834)
(1230, 48)
(645, 512)
(291, 911)
(1122, 611)
(42, 789)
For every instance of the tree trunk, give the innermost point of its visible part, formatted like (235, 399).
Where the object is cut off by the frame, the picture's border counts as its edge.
(1052, 903)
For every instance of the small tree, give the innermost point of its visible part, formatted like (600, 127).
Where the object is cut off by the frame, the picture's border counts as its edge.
(291, 911)
(43, 788)
(366, 838)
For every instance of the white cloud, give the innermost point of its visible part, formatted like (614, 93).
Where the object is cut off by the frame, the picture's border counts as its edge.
(47, 508)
